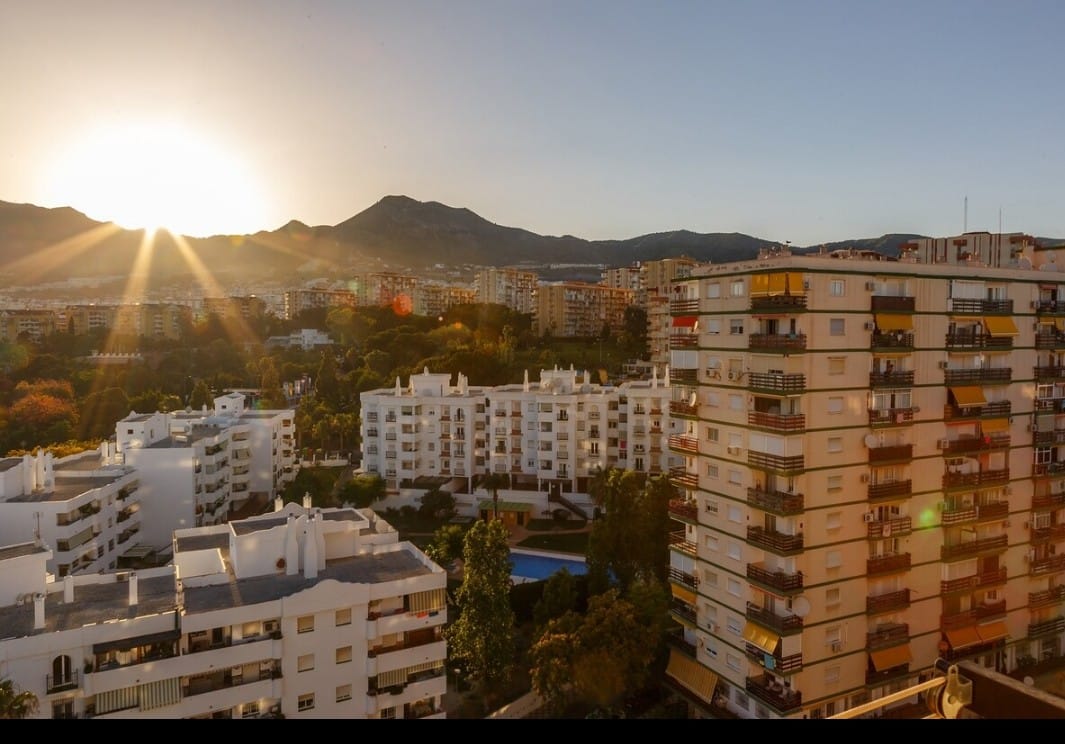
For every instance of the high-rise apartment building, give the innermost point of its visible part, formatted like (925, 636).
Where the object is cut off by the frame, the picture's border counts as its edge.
(579, 309)
(300, 613)
(872, 479)
(512, 287)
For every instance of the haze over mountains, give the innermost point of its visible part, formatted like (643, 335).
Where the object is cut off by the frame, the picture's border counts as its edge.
(39, 245)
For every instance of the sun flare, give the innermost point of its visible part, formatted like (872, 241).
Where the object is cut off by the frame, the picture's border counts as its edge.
(157, 175)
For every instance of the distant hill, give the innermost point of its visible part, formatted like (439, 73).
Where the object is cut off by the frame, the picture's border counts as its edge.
(39, 245)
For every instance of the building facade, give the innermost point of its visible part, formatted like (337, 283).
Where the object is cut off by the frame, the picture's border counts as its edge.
(579, 309)
(512, 287)
(871, 472)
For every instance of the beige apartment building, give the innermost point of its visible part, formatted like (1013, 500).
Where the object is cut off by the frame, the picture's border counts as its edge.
(514, 288)
(874, 471)
(579, 309)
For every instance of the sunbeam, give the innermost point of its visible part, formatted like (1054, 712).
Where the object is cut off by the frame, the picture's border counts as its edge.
(32, 267)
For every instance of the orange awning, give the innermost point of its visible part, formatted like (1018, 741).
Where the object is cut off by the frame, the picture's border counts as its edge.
(970, 395)
(993, 631)
(1059, 323)
(795, 284)
(887, 658)
(778, 283)
(685, 595)
(692, 675)
(685, 321)
(759, 285)
(960, 638)
(760, 637)
(991, 425)
(894, 322)
(1000, 325)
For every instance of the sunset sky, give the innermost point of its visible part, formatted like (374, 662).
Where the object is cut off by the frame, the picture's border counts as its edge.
(799, 121)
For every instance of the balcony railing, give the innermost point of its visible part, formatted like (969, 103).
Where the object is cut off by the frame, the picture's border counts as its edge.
(893, 340)
(683, 340)
(891, 303)
(973, 547)
(683, 611)
(779, 303)
(777, 662)
(1046, 627)
(981, 307)
(684, 376)
(1045, 500)
(679, 408)
(1047, 534)
(778, 580)
(889, 528)
(980, 479)
(892, 453)
(789, 422)
(954, 515)
(680, 477)
(891, 379)
(680, 577)
(777, 502)
(782, 699)
(887, 635)
(982, 375)
(1048, 438)
(1050, 306)
(777, 342)
(973, 616)
(1046, 598)
(998, 409)
(889, 602)
(782, 624)
(775, 542)
(974, 582)
(970, 445)
(1050, 564)
(888, 563)
(69, 681)
(682, 307)
(1049, 373)
(783, 464)
(684, 444)
(1042, 469)
(678, 541)
(966, 340)
(890, 490)
(890, 416)
(1049, 340)
(776, 382)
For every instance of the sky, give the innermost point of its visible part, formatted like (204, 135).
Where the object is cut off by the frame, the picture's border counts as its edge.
(803, 121)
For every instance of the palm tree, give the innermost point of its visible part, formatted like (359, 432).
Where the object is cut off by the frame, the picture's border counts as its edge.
(493, 482)
(15, 702)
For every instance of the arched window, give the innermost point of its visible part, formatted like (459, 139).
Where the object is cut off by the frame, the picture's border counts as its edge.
(62, 670)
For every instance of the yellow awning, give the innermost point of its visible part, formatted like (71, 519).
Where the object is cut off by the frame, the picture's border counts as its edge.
(960, 638)
(993, 631)
(692, 675)
(1059, 323)
(777, 284)
(894, 322)
(759, 285)
(991, 425)
(970, 395)
(683, 594)
(1000, 325)
(760, 637)
(795, 285)
(888, 658)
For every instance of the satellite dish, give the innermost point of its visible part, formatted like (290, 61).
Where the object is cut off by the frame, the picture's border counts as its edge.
(801, 606)
(870, 440)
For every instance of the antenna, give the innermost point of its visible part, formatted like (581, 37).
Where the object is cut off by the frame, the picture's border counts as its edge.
(965, 218)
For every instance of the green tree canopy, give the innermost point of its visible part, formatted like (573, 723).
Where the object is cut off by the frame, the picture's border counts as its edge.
(16, 702)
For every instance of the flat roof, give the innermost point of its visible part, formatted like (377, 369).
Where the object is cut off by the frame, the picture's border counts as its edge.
(66, 489)
(247, 526)
(17, 551)
(136, 417)
(203, 542)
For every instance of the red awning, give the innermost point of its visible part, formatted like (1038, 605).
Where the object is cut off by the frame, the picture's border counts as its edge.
(685, 321)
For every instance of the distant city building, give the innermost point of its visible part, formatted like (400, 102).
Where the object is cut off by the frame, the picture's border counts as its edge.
(33, 323)
(514, 288)
(152, 320)
(298, 301)
(433, 300)
(228, 308)
(579, 309)
(305, 338)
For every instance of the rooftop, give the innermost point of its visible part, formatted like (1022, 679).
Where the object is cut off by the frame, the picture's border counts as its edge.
(17, 551)
(66, 489)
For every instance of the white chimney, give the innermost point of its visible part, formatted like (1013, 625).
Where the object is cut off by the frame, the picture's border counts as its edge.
(132, 589)
(38, 611)
(307, 500)
(292, 547)
(310, 550)
(279, 504)
(68, 589)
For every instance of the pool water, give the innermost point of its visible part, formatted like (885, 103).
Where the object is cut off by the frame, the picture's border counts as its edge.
(539, 566)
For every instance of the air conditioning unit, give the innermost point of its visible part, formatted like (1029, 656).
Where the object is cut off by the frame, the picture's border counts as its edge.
(271, 626)
(864, 478)
(870, 286)
(731, 375)
(942, 365)
(837, 647)
(869, 516)
(869, 326)
(943, 444)
(732, 450)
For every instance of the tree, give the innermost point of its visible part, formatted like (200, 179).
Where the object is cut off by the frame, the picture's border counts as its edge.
(437, 504)
(273, 397)
(15, 702)
(447, 544)
(558, 598)
(100, 410)
(481, 641)
(326, 384)
(201, 396)
(363, 490)
(492, 482)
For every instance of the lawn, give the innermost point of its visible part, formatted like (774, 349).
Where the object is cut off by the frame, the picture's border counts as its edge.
(566, 542)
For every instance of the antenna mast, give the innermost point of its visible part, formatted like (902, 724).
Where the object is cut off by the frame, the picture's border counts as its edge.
(965, 217)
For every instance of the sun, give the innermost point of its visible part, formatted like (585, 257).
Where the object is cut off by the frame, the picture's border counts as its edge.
(155, 175)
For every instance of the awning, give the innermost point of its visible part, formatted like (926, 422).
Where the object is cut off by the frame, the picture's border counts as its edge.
(888, 658)
(777, 284)
(136, 641)
(970, 395)
(160, 693)
(685, 321)
(427, 601)
(759, 285)
(692, 675)
(894, 322)
(993, 631)
(960, 638)
(1059, 323)
(991, 425)
(683, 594)
(760, 637)
(1000, 325)
(512, 506)
(795, 284)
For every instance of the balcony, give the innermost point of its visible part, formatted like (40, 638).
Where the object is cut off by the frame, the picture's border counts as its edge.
(775, 542)
(1053, 533)
(887, 635)
(683, 307)
(998, 409)
(890, 602)
(679, 408)
(780, 664)
(683, 340)
(776, 383)
(69, 681)
(681, 478)
(983, 611)
(954, 514)
(1043, 469)
(1050, 306)
(897, 527)
(1051, 373)
(891, 303)
(891, 379)
(782, 624)
(783, 422)
(684, 376)
(890, 416)
(776, 581)
(776, 502)
(981, 479)
(968, 584)
(881, 340)
(780, 343)
(1048, 565)
(971, 548)
(1052, 340)
(969, 340)
(1046, 598)
(684, 444)
(778, 303)
(887, 563)
(977, 376)
(684, 612)
(890, 490)
(686, 511)
(1048, 500)
(970, 445)
(1053, 626)
(686, 579)
(959, 306)
(1048, 438)
(892, 453)
(766, 689)
(678, 541)
(782, 464)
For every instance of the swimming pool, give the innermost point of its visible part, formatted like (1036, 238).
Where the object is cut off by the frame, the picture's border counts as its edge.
(532, 565)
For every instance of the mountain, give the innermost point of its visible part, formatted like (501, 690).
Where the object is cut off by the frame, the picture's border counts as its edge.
(40, 245)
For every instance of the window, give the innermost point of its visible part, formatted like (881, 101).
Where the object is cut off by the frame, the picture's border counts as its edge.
(835, 287)
(833, 636)
(736, 289)
(835, 404)
(713, 399)
(711, 506)
(344, 655)
(713, 291)
(734, 551)
(305, 702)
(740, 699)
(343, 617)
(713, 326)
(837, 365)
(732, 662)
(835, 483)
(735, 439)
(735, 402)
(305, 624)
(833, 521)
(735, 476)
(833, 559)
(388, 712)
(832, 598)
(343, 693)
(836, 327)
(735, 326)
(832, 674)
(835, 444)
(734, 587)
(712, 433)
(711, 648)
(305, 663)
(711, 543)
(709, 578)
(735, 514)
(249, 710)
(735, 626)
(711, 471)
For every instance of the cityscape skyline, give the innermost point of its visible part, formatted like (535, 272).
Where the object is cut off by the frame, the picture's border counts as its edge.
(806, 123)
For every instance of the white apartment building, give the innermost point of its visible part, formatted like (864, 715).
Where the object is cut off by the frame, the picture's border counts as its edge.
(549, 437)
(301, 613)
(85, 510)
(873, 471)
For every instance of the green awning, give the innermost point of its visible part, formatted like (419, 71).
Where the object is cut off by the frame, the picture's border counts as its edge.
(486, 505)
